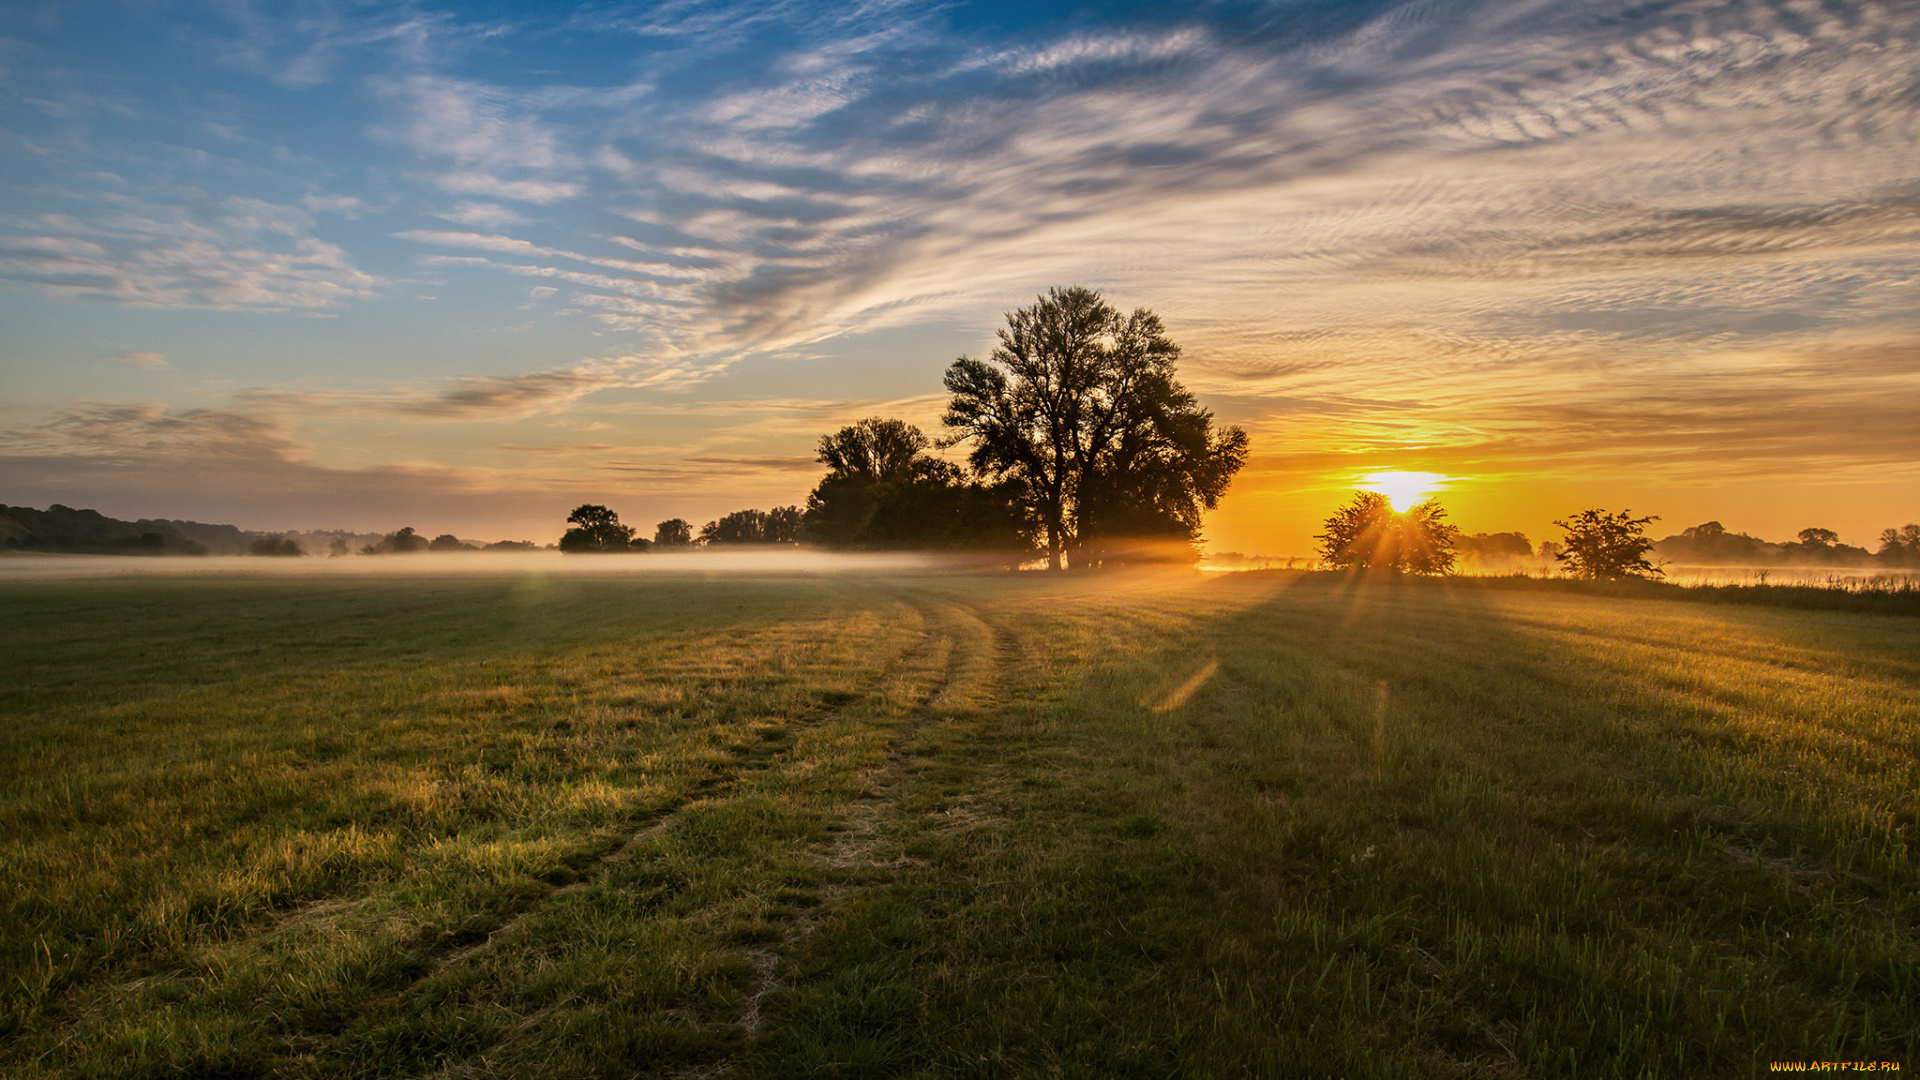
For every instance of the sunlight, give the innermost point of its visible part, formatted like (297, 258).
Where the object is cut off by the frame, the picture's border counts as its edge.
(1404, 489)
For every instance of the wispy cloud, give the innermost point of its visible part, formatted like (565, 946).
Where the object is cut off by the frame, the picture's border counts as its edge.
(482, 215)
(96, 429)
(234, 253)
(494, 142)
(1566, 154)
(146, 361)
(485, 397)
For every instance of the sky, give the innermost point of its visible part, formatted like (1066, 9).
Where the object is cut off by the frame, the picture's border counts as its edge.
(465, 266)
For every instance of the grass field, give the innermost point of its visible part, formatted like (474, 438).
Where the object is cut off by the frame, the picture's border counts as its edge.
(760, 826)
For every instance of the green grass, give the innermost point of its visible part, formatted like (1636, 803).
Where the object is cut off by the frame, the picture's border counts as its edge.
(1254, 824)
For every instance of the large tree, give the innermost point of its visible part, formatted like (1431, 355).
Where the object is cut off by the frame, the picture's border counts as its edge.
(1078, 408)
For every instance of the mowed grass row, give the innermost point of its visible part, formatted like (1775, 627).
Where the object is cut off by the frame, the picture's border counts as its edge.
(1259, 824)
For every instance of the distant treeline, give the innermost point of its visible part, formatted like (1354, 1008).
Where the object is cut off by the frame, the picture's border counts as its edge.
(881, 492)
(405, 541)
(64, 530)
(1711, 544)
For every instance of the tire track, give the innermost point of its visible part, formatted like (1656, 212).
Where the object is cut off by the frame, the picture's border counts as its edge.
(968, 682)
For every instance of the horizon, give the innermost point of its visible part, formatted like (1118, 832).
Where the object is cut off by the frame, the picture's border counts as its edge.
(465, 268)
(1208, 551)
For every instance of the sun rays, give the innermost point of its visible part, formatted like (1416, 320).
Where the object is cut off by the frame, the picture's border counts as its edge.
(1404, 490)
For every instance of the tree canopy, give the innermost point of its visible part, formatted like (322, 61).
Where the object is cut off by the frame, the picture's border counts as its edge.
(597, 529)
(1901, 546)
(1487, 549)
(403, 541)
(266, 545)
(1609, 546)
(781, 525)
(877, 451)
(883, 491)
(1367, 534)
(1078, 409)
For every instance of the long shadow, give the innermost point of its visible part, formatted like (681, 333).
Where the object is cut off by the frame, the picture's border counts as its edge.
(1657, 852)
(1391, 827)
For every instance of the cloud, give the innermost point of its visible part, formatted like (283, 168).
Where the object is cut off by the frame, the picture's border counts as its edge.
(476, 398)
(146, 361)
(478, 241)
(309, 49)
(496, 144)
(231, 254)
(482, 215)
(151, 430)
(347, 206)
(1450, 162)
(473, 182)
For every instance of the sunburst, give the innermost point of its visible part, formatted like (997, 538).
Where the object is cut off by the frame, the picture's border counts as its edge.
(1404, 490)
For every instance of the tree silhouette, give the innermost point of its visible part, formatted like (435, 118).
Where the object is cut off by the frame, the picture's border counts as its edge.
(673, 532)
(1368, 534)
(269, 545)
(882, 491)
(1079, 409)
(598, 529)
(1900, 546)
(1711, 541)
(1497, 547)
(403, 542)
(875, 450)
(1820, 539)
(1607, 546)
(781, 525)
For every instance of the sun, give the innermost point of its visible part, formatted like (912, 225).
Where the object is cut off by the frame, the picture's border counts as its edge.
(1403, 489)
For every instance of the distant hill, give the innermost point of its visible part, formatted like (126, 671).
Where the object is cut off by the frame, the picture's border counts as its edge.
(62, 528)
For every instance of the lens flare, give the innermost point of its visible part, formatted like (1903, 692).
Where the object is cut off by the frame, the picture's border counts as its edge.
(1403, 489)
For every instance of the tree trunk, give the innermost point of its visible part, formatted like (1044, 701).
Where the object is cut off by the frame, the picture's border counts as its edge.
(1053, 546)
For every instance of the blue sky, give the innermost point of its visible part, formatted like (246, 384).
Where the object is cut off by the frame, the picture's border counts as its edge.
(464, 266)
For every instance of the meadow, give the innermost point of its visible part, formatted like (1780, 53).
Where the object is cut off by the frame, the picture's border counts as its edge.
(948, 825)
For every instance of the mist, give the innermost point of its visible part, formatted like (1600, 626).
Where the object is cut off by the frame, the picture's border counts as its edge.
(27, 566)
